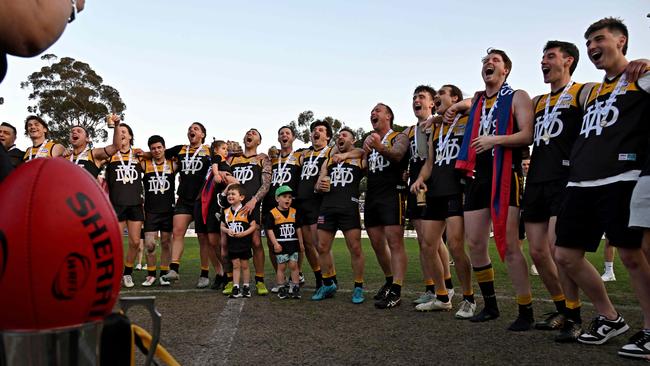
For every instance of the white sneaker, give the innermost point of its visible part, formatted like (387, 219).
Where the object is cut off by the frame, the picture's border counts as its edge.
(533, 270)
(608, 277)
(466, 310)
(150, 280)
(275, 289)
(163, 282)
(171, 276)
(434, 305)
(138, 267)
(451, 293)
(424, 298)
(127, 281)
(302, 279)
(203, 282)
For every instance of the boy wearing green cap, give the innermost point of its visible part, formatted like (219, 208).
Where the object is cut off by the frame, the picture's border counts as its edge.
(283, 231)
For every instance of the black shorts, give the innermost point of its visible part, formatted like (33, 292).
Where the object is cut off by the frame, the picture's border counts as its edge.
(588, 212)
(542, 200)
(155, 222)
(213, 221)
(130, 213)
(184, 207)
(240, 254)
(413, 211)
(335, 218)
(443, 207)
(384, 211)
(308, 210)
(478, 193)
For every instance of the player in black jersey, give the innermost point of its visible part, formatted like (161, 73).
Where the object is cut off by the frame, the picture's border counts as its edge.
(159, 188)
(124, 178)
(36, 130)
(308, 200)
(91, 159)
(193, 161)
(430, 259)
(253, 171)
(384, 206)
(443, 210)
(8, 136)
(499, 126)
(285, 170)
(339, 180)
(606, 160)
(557, 121)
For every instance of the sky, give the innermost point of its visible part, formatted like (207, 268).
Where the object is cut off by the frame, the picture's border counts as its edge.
(239, 65)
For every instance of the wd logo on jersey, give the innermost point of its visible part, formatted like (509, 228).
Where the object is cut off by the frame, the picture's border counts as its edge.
(236, 227)
(191, 166)
(309, 169)
(287, 231)
(157, 185)
(414, 150)
(341, 176)
(376, 162)
(596, 118)
(555, 128)
(126, 174)
(450, 152)
(280, 177)
(71, 276)
(243, 173)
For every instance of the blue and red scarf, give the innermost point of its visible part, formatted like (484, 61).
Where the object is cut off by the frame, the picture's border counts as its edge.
(501, 164)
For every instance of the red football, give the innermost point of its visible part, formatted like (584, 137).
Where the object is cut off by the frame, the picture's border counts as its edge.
(60, 247)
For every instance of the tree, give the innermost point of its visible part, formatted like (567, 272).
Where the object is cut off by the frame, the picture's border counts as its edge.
(70, 93)
(306, 118)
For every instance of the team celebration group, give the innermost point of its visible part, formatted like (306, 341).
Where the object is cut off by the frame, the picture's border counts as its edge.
(456, 173)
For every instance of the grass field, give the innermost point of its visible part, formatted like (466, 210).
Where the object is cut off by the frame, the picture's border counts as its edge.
(619, 291)
(203, 327)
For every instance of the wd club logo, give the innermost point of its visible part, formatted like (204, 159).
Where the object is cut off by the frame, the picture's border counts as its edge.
(243, 173)
(597, 119)
(555, 128)
(309, 169)
(236, 227)
(3, 253)
(71, 276)
(157, 186)
(126, 174)
(280, 177)
(191, 166)
(341, 176)
(287, 231)
(449, 153)
(376, 162)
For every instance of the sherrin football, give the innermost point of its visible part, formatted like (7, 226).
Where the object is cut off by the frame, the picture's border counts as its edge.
(60, 248)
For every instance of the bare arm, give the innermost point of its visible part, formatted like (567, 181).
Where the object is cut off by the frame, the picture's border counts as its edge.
(460, 107)
(270, 235)
(248, 231)
(355, 153)
(104, 153)
(266, 178)
(397, 151)
(320, 185)
(58, 150)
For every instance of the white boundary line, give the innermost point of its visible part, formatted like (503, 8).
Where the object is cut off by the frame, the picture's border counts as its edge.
(217, 348)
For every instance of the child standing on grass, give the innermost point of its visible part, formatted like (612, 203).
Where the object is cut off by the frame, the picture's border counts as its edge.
(284, 233)
(239, 228)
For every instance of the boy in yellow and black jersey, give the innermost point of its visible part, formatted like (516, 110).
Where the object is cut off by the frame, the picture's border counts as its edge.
(283, 231)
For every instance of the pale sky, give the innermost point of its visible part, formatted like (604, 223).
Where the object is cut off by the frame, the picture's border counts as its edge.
(237, 65)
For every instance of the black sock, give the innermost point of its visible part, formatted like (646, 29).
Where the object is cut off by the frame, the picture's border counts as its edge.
(449, 284)
(358, 284)
(319, 278)
(430, 288)
(259, 279)
(469, 298)
(526, 311)
(443, 298)
(163, 272)
(560, 306)
(174, 267)
(151, 273)
(396, 288)
(127, 270)
(204, 273)
(574, 314)
(389, 280)
(328, 281)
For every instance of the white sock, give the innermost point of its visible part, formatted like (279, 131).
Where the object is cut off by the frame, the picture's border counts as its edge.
(246, 284)
(609, 267)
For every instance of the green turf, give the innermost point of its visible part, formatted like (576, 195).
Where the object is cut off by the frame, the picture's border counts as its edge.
(620, 291)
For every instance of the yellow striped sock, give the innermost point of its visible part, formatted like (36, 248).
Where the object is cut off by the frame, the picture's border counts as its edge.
(524, 299)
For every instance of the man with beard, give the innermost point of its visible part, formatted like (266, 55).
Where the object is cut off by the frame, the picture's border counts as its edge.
(308, 201)
(607, 159)
(384, 207)
(253, 171)
(444, 190)
(499, 126)
(194, 161)
(285, 170)
(8, 136)
(340, 211)
(91, 159)
(41, 147)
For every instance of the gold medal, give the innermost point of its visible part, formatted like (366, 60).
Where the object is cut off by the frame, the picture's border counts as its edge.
(546, 137)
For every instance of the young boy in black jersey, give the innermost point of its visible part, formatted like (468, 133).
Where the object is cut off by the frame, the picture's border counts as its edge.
(239, 228)
(285, 236)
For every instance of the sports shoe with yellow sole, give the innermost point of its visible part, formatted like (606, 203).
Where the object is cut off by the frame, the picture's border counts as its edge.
(228, 289)
(261, 289)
